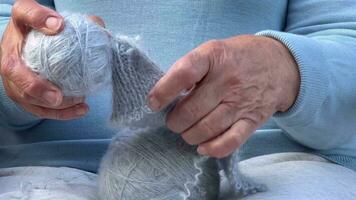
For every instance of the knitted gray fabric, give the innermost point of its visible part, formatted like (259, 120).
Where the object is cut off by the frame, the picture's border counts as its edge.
(133, 77)
(146, 160)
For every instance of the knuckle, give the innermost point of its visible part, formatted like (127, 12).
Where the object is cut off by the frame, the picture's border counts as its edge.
(214, 46)
(37, 17)
(208, 128)
(191, 110)
(216, 51)
(29, 13)
(19, 11)
(31, 88)
(230, 107)
(15, 9)
(193, 56)
(231, 111)
(211, 44)
(187, 70)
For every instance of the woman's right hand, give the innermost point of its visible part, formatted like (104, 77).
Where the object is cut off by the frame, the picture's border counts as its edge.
(35, 94)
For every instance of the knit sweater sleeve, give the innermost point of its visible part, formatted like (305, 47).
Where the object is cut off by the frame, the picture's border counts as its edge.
(321, 35)
(12, 116)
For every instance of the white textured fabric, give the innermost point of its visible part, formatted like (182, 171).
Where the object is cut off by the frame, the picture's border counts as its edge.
(47, 183)
(292, 176)
(300, 176)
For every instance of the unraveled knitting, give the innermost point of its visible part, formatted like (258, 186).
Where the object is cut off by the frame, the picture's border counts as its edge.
(145, 160)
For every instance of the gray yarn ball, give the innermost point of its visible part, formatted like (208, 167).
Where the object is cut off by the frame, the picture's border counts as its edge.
(78, 60)
(155, 163)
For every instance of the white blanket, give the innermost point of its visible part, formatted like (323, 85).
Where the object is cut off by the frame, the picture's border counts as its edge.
(292, 176)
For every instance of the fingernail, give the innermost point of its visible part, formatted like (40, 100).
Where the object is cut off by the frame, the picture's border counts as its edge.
(54, 23)
(52, 98)
(80, 110)
(202, 151)
(153, 103)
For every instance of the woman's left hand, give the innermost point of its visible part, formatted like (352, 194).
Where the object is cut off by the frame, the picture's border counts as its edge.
(235, 86)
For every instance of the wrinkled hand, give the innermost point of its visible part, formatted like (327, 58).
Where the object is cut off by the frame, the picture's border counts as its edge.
(35, 94)
(235, 86)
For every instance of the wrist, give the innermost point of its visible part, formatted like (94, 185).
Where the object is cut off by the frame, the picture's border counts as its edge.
(287, 74)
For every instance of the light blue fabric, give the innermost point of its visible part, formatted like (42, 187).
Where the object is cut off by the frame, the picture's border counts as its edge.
(321, 35)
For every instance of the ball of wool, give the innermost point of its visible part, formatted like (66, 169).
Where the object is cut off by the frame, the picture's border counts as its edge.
(155, 163)
(78, 60)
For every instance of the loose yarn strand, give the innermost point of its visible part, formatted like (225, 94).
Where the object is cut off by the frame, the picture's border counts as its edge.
(195, 182)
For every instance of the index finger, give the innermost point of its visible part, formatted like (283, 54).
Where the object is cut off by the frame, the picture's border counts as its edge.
(183, 75)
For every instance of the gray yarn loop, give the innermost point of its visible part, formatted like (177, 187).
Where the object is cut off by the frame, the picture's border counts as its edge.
(145, 160)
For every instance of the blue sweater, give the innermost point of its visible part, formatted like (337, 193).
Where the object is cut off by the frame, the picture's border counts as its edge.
(321, 35)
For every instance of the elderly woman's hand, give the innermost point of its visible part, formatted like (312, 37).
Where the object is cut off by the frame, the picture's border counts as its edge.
(35, 94)
(235, 86)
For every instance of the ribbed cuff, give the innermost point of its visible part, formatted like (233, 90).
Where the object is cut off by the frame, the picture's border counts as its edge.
(314, 78)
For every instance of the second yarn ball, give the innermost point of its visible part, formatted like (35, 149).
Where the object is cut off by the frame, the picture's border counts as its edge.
(78, 60)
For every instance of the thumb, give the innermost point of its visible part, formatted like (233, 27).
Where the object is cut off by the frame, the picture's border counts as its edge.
(29, 13)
